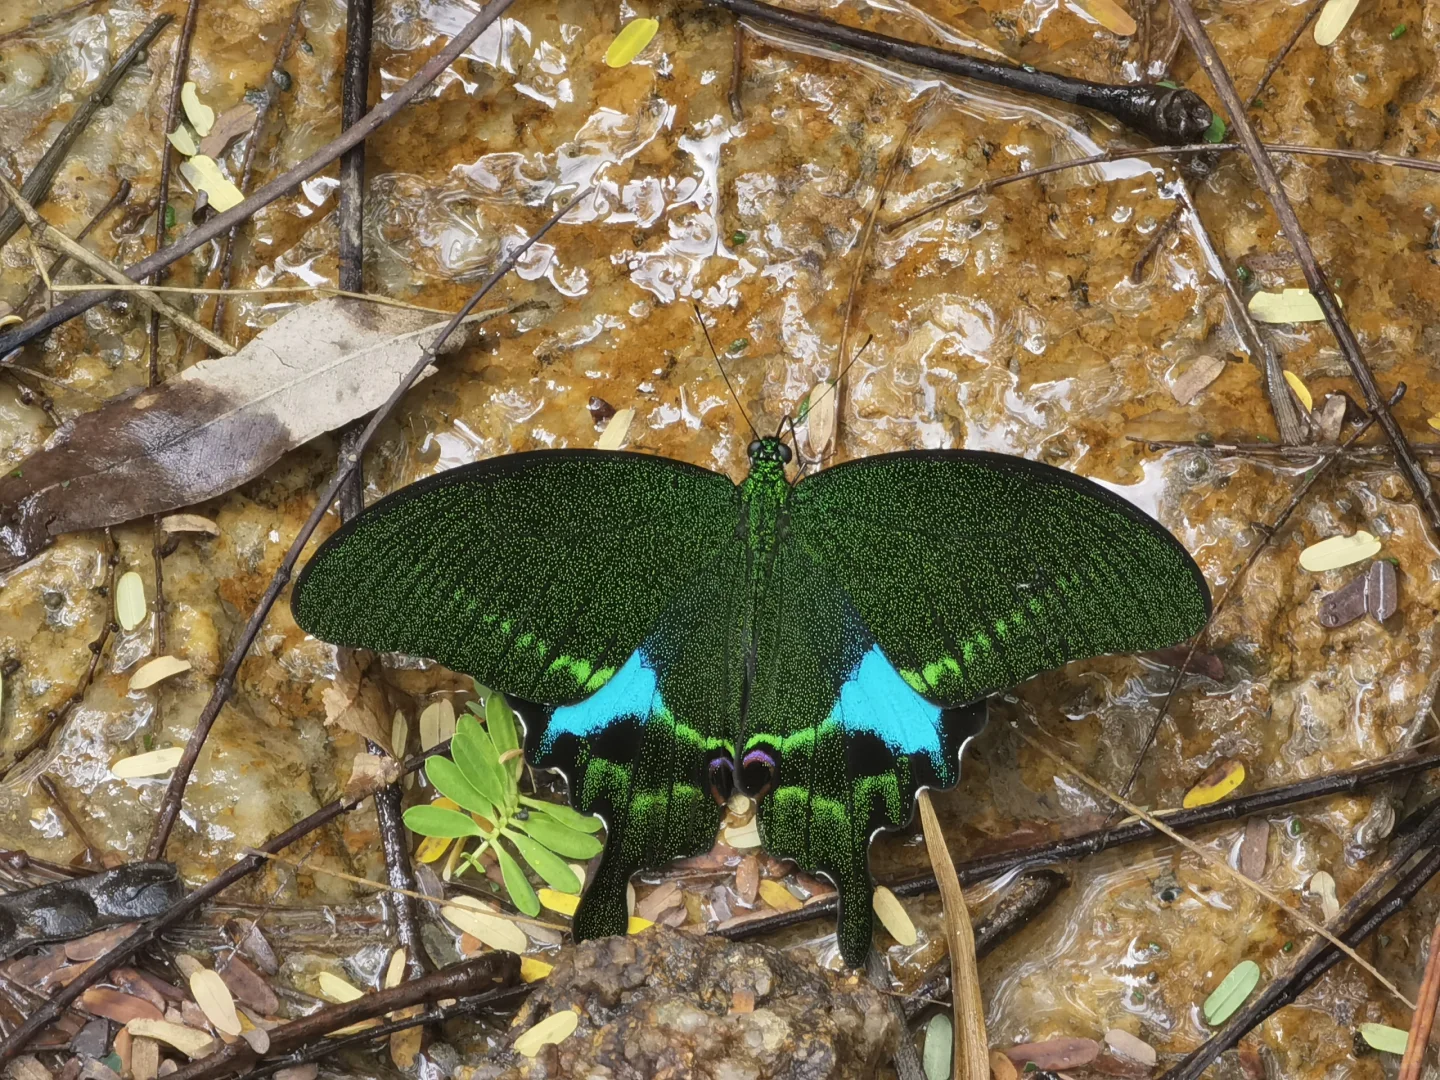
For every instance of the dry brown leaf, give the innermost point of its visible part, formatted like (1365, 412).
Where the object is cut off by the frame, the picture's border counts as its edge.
(118, 1006)
(1255, 848)
(99, 943)
(660, 900)
(229, 125)
(742, 1002)
(144, 1058)
(747, 880)
(249, 987)
(369, 773)
(1001, 1067)
(1066, 1053)
(355, 703)
(778, 897)
(172, 524)
(405, 1045)
(1130, 1046)
(1203, 371)
(27, 1068)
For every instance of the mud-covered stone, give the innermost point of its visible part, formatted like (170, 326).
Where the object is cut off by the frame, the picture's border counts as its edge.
(669, 1004)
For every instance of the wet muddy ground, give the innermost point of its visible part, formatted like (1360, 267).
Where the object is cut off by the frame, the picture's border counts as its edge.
(1008, 322)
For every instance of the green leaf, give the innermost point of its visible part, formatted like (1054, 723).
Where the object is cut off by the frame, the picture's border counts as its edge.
(451, 782)
(475, 754)
(437, 821)
(1385, 1038)
(560, 839)
(1215, 133)
(571, 819)
(553, 870)
(1232, 992)
(500, 721)
(939, 1047)
(516, 883)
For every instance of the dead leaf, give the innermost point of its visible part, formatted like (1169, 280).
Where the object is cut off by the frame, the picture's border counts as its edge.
(1255, 848)
(1122, 1042)
(118, 1006)
(248, 986)
(189, 1041)
(1052, 1054)
(355, 703)
(215, 1001)
(229, 125)
(405, 1045)
(820, 414)
(214, 426)
(747, 880)
(659, 901)
(1001, 1067)
(1330, 419)
(144, 1058)
(27, 1068)
(188, 523)
(1203, 371)
(778, 897)
(99, 943)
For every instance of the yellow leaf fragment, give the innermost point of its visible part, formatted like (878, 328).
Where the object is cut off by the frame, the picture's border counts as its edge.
(337, 989)
(9, 320)
(1302, 392)
(615, 431)
(435, 719)
(431, 848)
(184, 141)
(496, 932)
(130, 607)
(778, 897)
(564, 903)
(893, 916)
(200, 115)
(215, 1001)
(555, 1028)
(395, 971)
(1289, 306)
(532, 970)
(187, 1040)
(1338, 551)
(636, 924)
(405, 1046)
(1332, 21)
(1220, 781)
(631, 41)
(1110, 15)
(153, 763)
(1434, 423)
(203, 174)
(153, 671)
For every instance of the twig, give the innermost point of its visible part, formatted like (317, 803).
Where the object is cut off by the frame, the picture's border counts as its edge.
(1312, 454)
(1279, 58)
(1424, 1018)
(1420, 483)
(906, 1059)
(1214, 861)
(15, 1043)
(37, 184)
(275, 189)
(58, 241)
(252, 142)
(92, 854)
(737, 74)
(972, 871)
(175, 793)
(44, 20)
(1161, 114)
(33, 295)
(486, 972)
(1268, 533)
(56, 717)
(971, 1046)
(1287, 986)
(271, 290)
(1121, 153)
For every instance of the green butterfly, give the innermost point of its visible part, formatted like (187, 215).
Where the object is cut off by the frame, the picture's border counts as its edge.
(825, 645)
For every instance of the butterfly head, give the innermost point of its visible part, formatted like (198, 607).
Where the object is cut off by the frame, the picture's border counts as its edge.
(769, 448)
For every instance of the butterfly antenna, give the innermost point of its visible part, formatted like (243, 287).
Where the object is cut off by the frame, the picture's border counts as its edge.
(723, 373)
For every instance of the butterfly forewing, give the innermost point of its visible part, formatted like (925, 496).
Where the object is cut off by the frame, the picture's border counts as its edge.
(975, 571)
(538, 573)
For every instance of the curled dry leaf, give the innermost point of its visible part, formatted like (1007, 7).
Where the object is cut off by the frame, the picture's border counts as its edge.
(214, 999)
(130, 607)
(369, 773)
(1052, 1054)
(214, 426)
(1330, 420)
(152, 672)
(153, 763)
(171, 524)
(778, 897)
(1222, 779)
(613, 437)
(893, 916)
(555, 1028)
(1203, 371)
(118, 1006)
(1338, 551)
(187, 1040)
(355, 703)
(1322, 885)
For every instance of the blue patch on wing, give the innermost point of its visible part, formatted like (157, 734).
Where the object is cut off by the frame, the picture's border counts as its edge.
(630, 694)
(877, 700)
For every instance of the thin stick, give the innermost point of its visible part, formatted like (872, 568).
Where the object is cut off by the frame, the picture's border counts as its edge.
(1216, 862)
(92, 854)
(971, 1045)
(1303, 970)
(14, 1044)
(1268, 534)
(1424, 1018)
(175, 793)
(37, 184)
(33, 295)
(1420, 484)
(44, 20)
(280, 186)
(1311, 454)
(1279, 58)
(58, 241)
(972, 871)
(56, 717)
(275, 290)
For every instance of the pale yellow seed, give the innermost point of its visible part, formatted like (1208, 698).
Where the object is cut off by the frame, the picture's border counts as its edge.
(1302, 392)
(153, 671)
(130, 606)
(213, 996)
(152, 763)
(630, 43)
(395, 972)
(893, 916)
(200, 115)
(1334, 17)
(495, 932)
(1338, 551)
(337, 989)
(615, 431)
(555, 1028)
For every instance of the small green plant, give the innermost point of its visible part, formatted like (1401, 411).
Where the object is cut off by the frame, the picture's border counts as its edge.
(482, 778)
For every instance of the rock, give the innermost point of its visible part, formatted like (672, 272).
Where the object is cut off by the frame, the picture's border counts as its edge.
(660, 1004)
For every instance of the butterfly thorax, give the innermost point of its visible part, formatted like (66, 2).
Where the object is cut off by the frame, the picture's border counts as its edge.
(764, 494)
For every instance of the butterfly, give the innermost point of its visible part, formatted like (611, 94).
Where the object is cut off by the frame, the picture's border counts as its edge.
(825, 646)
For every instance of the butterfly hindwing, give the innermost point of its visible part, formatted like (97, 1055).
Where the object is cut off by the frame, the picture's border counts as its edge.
(976, 571)
(639, 751)
(834, 741)
(537, 573)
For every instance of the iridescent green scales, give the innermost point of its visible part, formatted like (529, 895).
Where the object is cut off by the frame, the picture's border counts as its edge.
(826, 645)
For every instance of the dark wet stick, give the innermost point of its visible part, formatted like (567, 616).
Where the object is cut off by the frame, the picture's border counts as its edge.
(1162, 114)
